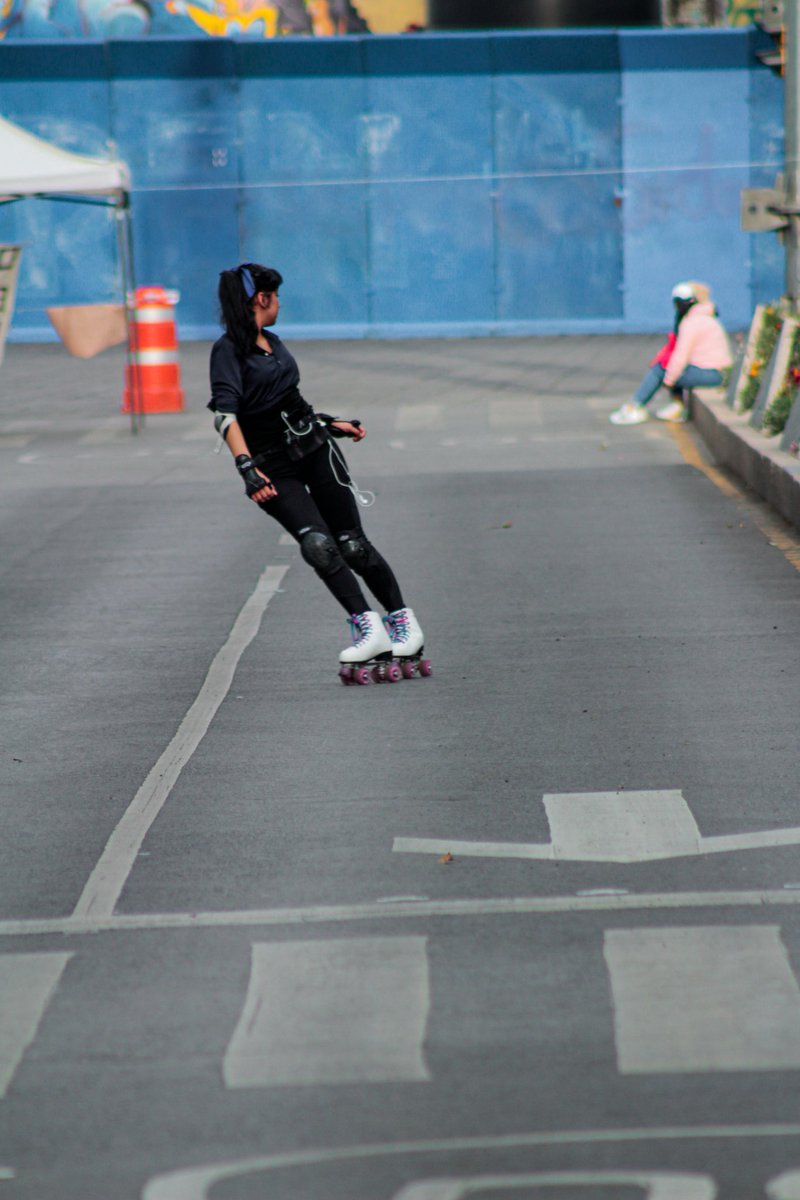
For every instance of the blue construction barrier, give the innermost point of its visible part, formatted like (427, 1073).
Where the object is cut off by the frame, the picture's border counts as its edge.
(410, 186)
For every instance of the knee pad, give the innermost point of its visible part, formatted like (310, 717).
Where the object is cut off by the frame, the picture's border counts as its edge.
(357, 551)
(319, 550)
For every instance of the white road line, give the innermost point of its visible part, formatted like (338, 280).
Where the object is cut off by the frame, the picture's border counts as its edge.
(406, 910)
(657, 1185)
(194, 1183)
(107, 880)
(721, 998)
(410, 417)
(344, 1010)
(286, 539)
(27, 983)
(625, 827)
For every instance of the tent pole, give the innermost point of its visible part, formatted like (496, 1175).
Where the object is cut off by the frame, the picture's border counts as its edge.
(125, 241)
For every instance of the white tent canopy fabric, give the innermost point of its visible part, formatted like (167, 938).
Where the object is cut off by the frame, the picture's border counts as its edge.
(30, 166)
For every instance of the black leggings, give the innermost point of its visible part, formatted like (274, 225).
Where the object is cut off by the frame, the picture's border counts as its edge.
(310, 497)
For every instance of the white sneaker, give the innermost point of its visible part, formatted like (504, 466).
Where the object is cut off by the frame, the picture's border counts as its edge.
(370, 640)
(629, 414)
(672, 412)
(404, 630)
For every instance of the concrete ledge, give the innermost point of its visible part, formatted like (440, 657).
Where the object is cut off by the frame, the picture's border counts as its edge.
(758, 460)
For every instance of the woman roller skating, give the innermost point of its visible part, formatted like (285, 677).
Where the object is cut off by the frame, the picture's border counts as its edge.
(294, 471)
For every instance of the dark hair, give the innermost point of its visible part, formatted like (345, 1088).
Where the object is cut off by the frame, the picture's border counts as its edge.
(237, 287)
(681, 309)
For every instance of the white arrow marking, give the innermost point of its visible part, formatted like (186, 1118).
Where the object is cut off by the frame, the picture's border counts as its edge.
(195, 1183)
(624, 827)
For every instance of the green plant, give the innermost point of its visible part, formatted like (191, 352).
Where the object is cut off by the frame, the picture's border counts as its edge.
(771, 325)
(777, 414)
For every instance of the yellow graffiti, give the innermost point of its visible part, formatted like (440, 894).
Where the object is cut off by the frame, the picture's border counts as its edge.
(5, 13)
(744, 12)
(228, 16)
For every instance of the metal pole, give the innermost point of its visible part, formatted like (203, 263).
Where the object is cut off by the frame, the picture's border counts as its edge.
(125, 242)
(791, 116)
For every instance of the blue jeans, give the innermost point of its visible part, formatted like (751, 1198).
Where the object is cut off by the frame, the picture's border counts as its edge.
(692, 377)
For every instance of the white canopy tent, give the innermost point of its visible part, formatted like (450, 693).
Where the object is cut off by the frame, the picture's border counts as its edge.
(32, 167)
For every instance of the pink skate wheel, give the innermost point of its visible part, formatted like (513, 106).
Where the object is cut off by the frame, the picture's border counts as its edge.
(361, 675)
(408, 669)
(393, 672)
(425, 667)
(346, 674)
(377, 674)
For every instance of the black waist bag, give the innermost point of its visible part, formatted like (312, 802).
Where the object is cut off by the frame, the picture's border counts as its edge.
(298, 431)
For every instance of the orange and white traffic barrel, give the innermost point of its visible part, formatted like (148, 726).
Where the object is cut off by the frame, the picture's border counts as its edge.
(153, 373)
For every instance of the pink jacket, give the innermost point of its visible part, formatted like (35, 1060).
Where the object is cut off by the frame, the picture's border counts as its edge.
(701, 341)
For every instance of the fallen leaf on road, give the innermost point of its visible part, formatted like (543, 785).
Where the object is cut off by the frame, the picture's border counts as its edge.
(446, 858)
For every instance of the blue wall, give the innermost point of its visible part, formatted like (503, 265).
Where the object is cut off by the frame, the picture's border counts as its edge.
(531, 182)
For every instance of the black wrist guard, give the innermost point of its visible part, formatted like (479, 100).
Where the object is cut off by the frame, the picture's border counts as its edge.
(252, 480)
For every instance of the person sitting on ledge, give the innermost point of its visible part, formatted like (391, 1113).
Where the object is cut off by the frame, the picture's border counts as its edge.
(694, 355)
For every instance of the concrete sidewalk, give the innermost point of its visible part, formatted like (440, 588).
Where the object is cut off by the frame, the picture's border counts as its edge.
(772, 473)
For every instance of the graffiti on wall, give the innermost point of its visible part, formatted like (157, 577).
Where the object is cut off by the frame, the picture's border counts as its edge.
(273, 18)
(216, 18)
(744, 12)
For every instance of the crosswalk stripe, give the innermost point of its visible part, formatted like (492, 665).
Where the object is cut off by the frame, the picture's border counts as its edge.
(520, 412)
(418, 416)
(720, 998)
(27, 983)
(344, 1010)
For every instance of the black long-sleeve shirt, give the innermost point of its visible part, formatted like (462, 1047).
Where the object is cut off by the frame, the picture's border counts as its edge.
(254, 389)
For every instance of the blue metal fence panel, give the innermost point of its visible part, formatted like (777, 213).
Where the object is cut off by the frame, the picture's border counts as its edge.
(557, 146)
(316, 238)
(459, 183)
(429, 143)
(685, 131)
(304, 177)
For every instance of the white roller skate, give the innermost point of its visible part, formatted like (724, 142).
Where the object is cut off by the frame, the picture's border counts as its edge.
(408, 642)
(370, 656)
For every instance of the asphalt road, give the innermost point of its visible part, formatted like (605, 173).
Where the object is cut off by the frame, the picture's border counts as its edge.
(525, 927)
